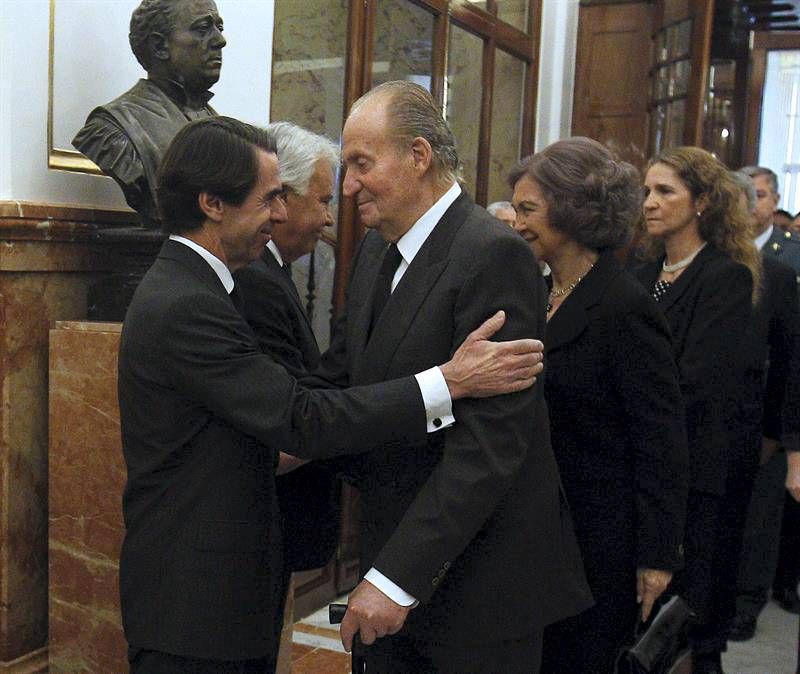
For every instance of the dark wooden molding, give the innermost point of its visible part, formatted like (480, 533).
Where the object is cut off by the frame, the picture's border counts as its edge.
(702, 23)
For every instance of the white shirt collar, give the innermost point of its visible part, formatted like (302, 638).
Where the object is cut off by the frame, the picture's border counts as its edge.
(410, 243)
(214, 262)
(762, 238)
(275, 252)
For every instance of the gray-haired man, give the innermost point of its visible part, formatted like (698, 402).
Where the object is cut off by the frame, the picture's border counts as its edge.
(273, 309)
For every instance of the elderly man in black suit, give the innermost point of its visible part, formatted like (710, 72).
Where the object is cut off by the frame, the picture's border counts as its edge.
(272, 307)
(465, 545)
(179, 43)
(774, 338)
(204, 413)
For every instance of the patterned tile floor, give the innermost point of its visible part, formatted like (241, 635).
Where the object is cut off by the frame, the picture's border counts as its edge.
(317, 649)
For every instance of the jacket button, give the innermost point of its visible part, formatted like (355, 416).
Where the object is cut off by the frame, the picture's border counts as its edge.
(446, 565)
(435, 582)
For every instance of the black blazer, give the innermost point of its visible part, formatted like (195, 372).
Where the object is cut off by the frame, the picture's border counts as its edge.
(772, 341)
(203, 414)
(617, 422)
(470, 521)
(307, 495)
(708, 310)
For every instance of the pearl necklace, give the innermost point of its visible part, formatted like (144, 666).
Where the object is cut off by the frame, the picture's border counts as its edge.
(560, 292)
(680, 264)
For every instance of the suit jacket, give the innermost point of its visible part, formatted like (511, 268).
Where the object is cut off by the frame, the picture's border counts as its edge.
(772, 341)
(203, 414)
(307, 495)
(470, 522)
(708, 309)
(618, 428)
(785, 247)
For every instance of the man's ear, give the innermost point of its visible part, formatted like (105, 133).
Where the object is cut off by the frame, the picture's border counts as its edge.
(211, 206)
(423, 154)
(158, 46)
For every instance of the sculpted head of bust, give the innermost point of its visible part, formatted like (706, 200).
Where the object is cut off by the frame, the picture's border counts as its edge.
(179, 41)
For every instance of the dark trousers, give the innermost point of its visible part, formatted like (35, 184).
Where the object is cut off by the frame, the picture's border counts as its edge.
(714, 527)
(759, 556)
(400, 654)
(155, 662)
(788, 570)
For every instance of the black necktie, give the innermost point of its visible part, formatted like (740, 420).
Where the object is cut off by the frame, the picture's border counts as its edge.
(286, 269)
(383, 284)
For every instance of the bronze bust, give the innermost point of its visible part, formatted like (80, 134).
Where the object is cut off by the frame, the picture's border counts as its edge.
(179, 43)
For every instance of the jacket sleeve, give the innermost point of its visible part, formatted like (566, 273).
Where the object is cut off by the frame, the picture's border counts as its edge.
(211, 355)
(485, 449)
(781, 386)
(267, 311)
(709, 365)
(646, 379)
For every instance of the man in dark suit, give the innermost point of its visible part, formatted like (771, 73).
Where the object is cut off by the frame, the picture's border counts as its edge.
(179, 43)
(464, 543)
(272, 307)
(204, 413)
(773, 339)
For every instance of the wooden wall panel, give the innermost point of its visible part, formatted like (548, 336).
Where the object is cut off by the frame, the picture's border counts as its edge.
(611, 77)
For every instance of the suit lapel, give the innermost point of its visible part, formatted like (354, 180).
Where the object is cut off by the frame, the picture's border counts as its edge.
(286, 283)
(571, 319)
(684, 281)
(409, 295)
(185, 256)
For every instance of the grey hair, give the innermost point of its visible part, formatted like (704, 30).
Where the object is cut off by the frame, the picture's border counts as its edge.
(151, 16)
(745, 183)
(498, 206)
(755, 171)
(298, 152)
(412, 113)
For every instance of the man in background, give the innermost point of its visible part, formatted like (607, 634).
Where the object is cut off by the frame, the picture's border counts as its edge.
(275, 312)
(772, 373)
(503, 211)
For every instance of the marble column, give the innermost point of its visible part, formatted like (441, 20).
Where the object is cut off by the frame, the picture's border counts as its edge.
(49, 257)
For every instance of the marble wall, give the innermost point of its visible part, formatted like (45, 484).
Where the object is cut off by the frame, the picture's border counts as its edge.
(48, 261)
(87, 476)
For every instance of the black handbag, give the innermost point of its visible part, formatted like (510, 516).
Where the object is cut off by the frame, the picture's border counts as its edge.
(656, 647)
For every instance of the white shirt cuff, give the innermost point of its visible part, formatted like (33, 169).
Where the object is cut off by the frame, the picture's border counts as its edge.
(436, 398)
(390, 589)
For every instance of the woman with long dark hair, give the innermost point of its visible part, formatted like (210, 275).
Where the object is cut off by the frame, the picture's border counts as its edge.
(704, 270)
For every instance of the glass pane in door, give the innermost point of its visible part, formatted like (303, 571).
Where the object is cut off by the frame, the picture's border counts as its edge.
(508, 97)
(403, 43)
(514, 12)
(463, 96)
(779, 143)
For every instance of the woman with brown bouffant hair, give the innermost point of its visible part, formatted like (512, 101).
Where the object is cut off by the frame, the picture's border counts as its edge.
(704, 270)
(611, 385)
